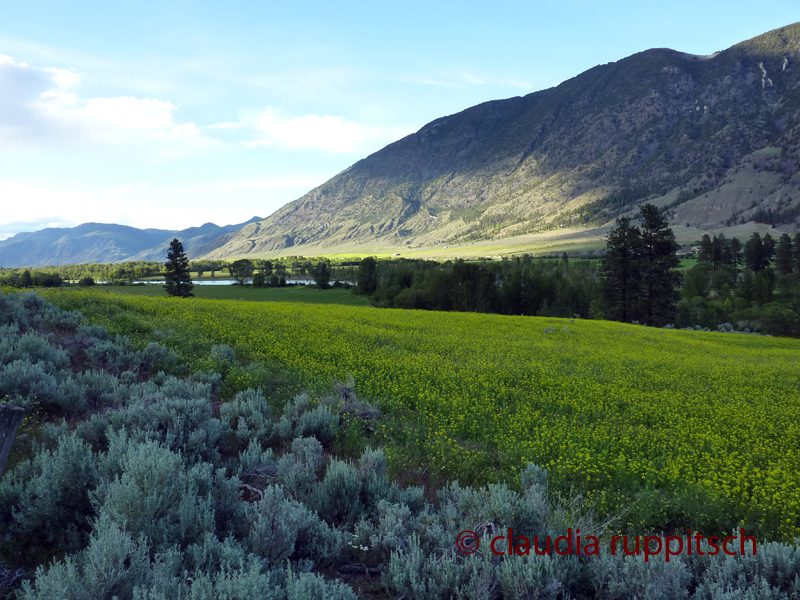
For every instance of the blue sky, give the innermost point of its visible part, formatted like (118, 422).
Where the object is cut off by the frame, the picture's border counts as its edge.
(172, 114)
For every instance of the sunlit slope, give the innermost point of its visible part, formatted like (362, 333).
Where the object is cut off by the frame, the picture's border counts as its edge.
(702, 427)
(712, 138)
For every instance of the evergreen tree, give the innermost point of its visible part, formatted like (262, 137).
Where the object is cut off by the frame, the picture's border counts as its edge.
(754, 254)
(660, 277)
(796, 252)
(736, 254)
(621, 271)
(706, 250)
(639, 268)
(368, 276)
(716, 252)
(322, 275)
(783, 255)
(176, 271)
(769, 248)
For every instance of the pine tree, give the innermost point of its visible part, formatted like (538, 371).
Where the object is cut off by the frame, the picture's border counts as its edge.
(639, 268)
(660, 277)
(176, 271)
(783, 255)
(322, 275)
(621, 270)
(754, 253)
(706, 250)
(796, 252)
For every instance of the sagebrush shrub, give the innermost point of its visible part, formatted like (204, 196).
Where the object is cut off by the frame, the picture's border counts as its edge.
(25, 382)
(46, 502)
(156, 495)
(113, 565)
(248, 417)
(297, 470)
(284, 529)
(37, 349)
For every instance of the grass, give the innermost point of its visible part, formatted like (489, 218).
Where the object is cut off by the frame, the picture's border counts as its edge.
(682, 429)
(306, 294)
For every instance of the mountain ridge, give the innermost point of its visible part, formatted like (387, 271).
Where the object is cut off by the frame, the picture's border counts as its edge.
(103, 243)
(661, 126)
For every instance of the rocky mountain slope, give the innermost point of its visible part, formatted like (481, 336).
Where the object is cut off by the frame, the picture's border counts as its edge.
(712, 139)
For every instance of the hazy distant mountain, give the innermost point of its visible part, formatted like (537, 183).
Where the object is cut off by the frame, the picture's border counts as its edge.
(196, 240)
(714, 138)
(102, 243)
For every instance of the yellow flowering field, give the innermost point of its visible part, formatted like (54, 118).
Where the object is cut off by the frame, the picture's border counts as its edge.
(682, 429)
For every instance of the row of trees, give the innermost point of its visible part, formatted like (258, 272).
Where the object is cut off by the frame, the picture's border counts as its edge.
(757, 254)
(752, 286)
(519, 286)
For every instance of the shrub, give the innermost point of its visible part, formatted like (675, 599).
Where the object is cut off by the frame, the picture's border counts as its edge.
(61, 320)
(297, 470)
(25, 382)
(621, 577)
(46, 501)
(308, 586)
(284, 529)
(100, 389)
(774, 572)
(36, 348)
(157, 496)
(113, 565)
(299, 421)
(111, 355)
(12, 312)
(425, 576)
(155, 356)
(545, 577)
(248, 417)
(223, 354)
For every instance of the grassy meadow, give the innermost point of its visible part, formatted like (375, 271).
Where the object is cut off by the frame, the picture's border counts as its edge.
(672, 429)
(306, 294)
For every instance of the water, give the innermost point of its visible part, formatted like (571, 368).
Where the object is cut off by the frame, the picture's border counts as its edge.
(229, 282)
(232, 281)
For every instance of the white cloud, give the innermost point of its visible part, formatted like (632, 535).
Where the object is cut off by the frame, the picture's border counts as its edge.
(130, 113)
(333, 134)
(258, 143)
(39, 106)
(129, 188)
(227, 125)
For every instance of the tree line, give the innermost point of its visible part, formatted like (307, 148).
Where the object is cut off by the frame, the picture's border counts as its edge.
(751, 286)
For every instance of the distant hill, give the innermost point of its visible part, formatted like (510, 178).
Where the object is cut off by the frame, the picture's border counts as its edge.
(713, 139)
(102, 243)
(196, 241)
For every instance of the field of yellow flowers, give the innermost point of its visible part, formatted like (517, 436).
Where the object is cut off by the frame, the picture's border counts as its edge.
(681, 429)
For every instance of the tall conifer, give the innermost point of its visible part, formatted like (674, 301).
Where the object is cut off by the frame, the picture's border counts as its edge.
(176, 271)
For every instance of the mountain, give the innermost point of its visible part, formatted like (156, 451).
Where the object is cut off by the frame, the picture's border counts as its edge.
(711, 139)
(103, 243)
(196, 241)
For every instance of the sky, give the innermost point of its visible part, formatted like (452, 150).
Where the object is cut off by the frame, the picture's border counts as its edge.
(171, 114)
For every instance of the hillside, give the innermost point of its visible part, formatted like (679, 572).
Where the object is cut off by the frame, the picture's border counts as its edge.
(714, 138)
(103, 243)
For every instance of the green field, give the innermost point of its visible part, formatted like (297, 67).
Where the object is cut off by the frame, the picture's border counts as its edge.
(306, 294)
(677, 429)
